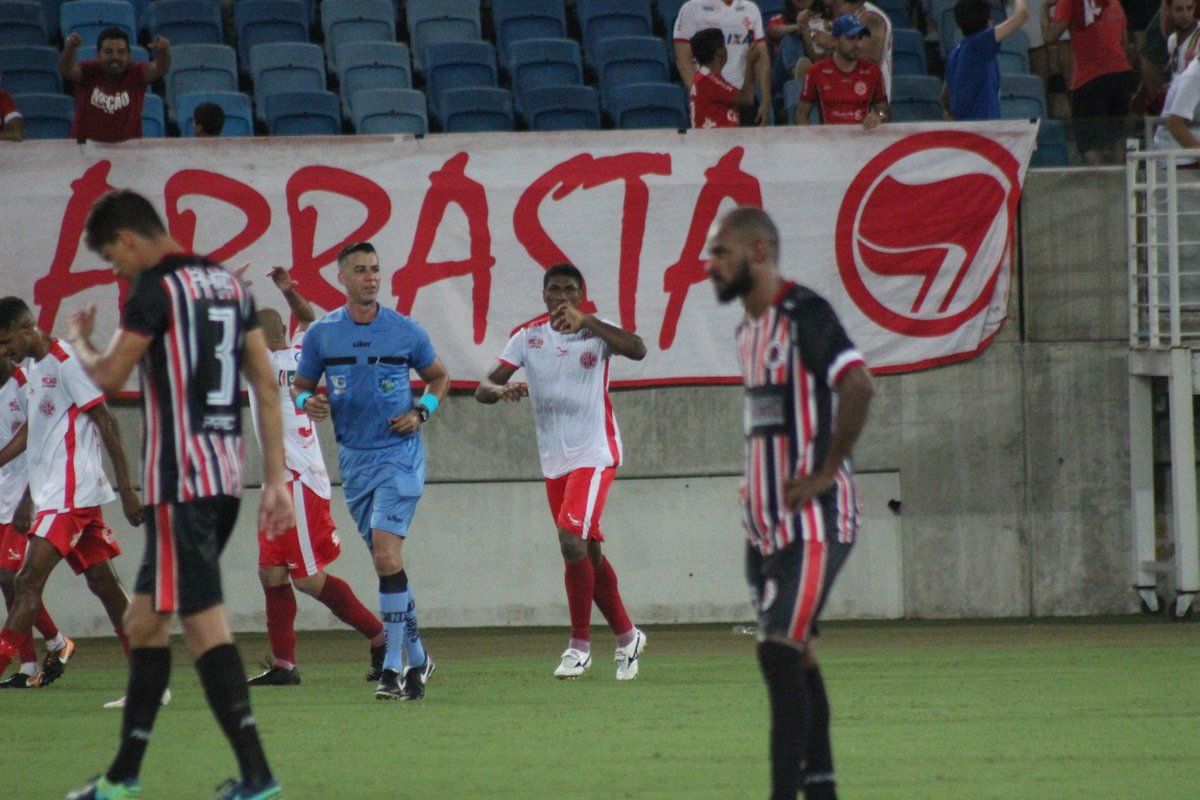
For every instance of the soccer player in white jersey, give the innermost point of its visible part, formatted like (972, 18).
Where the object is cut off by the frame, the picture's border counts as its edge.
(306, 549)
(66, 421)
(16, 518)
(565, 355)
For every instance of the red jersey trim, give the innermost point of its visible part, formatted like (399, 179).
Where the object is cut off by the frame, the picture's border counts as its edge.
(56, 350)
(89, 406)
(540, 319)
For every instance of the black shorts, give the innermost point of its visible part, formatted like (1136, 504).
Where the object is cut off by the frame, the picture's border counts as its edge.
(181, 569)
(1099, 109)
(790, 586)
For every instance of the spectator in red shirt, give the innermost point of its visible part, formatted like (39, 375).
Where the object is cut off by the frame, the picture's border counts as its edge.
(849, 89)
(109, 91)
(12, 129)
(715, 101)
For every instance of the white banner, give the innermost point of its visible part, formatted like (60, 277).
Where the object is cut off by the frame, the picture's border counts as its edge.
(908, 230)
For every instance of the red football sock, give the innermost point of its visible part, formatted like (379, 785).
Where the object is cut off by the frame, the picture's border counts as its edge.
(10, 646)
(608, 599)
(119, 630)
(580, 578)
(45, 623)
(337, 595)
(281, 622)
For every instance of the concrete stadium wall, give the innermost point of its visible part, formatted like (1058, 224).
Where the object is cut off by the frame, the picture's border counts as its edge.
(1010, 473)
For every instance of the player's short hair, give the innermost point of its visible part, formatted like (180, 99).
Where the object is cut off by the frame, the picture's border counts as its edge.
(111, 33)
(210, 117)
(751, 222)
(972, 16)
(351, 249)
(706, 44)
(569, 270)
(122, 210)
(13, 311)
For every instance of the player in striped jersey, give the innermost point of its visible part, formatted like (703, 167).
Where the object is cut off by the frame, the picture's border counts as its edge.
(66, 421)
(191, 328)
(565, 354)
(807, 391)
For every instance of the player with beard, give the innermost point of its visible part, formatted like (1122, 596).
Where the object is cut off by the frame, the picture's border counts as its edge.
(807, 391)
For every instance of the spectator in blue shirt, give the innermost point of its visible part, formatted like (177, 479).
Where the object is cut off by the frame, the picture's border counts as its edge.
(972, 87)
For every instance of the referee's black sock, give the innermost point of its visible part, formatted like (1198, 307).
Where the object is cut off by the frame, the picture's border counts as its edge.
(819, 778)
(786, 687)
(224, 682)
(149, 673)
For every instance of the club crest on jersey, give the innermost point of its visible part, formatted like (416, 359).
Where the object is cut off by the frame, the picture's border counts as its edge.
(588, 359)
(46, 407)
(860, 88)
(776, 355)
(339, 383)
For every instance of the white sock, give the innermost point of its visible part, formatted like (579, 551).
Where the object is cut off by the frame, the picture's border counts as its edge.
(29, 668)
(57, 643)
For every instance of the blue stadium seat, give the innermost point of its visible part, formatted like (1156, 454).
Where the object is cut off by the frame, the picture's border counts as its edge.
(1022, 97)
(432, 21)
(154, 117)
(562, 108)
(348, 21)
(46, 116)
(603, 19)
(476, 110)
(236, 105)
(897, 11)
(1051, 145)
(89, 17)
(1013, 58)
(908, 52)
(649, 105)
(22, 22)
(364, 66)
(267, 22)
(623, 60)
(200, 68)
(668, 12)
(53, 18)
(544, 62)
(25, 69)
(916, 98)
(186, 21)
(304, 114)
(517, 20)
(285, 67)
(457, 65)
(390, 111)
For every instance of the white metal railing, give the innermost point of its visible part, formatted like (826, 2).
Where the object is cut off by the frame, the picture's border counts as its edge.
(1162, 205)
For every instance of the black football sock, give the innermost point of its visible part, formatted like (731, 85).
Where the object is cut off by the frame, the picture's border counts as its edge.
(224, 682)
(786, 687)
(149, 673)
(819, 778)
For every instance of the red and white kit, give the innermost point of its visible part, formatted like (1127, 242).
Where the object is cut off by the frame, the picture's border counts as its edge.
(313, 543)
(740, 21)
(14, 477)
(577, 434)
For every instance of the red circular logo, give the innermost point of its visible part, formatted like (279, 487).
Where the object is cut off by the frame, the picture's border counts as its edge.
(925, 230)
(588, 359)
(46, 407)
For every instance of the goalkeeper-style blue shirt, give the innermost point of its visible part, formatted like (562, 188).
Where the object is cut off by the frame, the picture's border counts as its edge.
(367, 373)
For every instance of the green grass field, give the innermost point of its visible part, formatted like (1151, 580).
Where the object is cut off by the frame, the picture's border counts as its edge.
(1079, 709)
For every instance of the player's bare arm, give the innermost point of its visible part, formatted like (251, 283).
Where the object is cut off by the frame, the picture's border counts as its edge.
(871, 47)
(437, 383)
(880, 112)
(315, 405)
(1015, 21)
(1052, 29)
(112, 368)
(745, 95)
(854, 392)
(16, 445)
(302, 310)
(683, 62)
(23, 516)
(496, 387)
(803, 110)
(568, 318)
(275, 513)
(762, 72)
(110, 434)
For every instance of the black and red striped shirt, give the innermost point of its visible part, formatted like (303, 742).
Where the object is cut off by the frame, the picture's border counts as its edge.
(792, 358)
(197, 315)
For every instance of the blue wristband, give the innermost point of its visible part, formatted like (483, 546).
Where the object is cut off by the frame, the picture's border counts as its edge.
(429, 401)
(301, 399)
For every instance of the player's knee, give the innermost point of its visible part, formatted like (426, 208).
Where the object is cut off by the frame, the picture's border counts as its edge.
(573, 548)
(310, 585)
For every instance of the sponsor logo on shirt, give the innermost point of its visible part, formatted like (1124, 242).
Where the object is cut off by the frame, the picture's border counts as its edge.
(49, 381)
(361, 344)
(536, 341)
(588, 359)
(109, 103)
